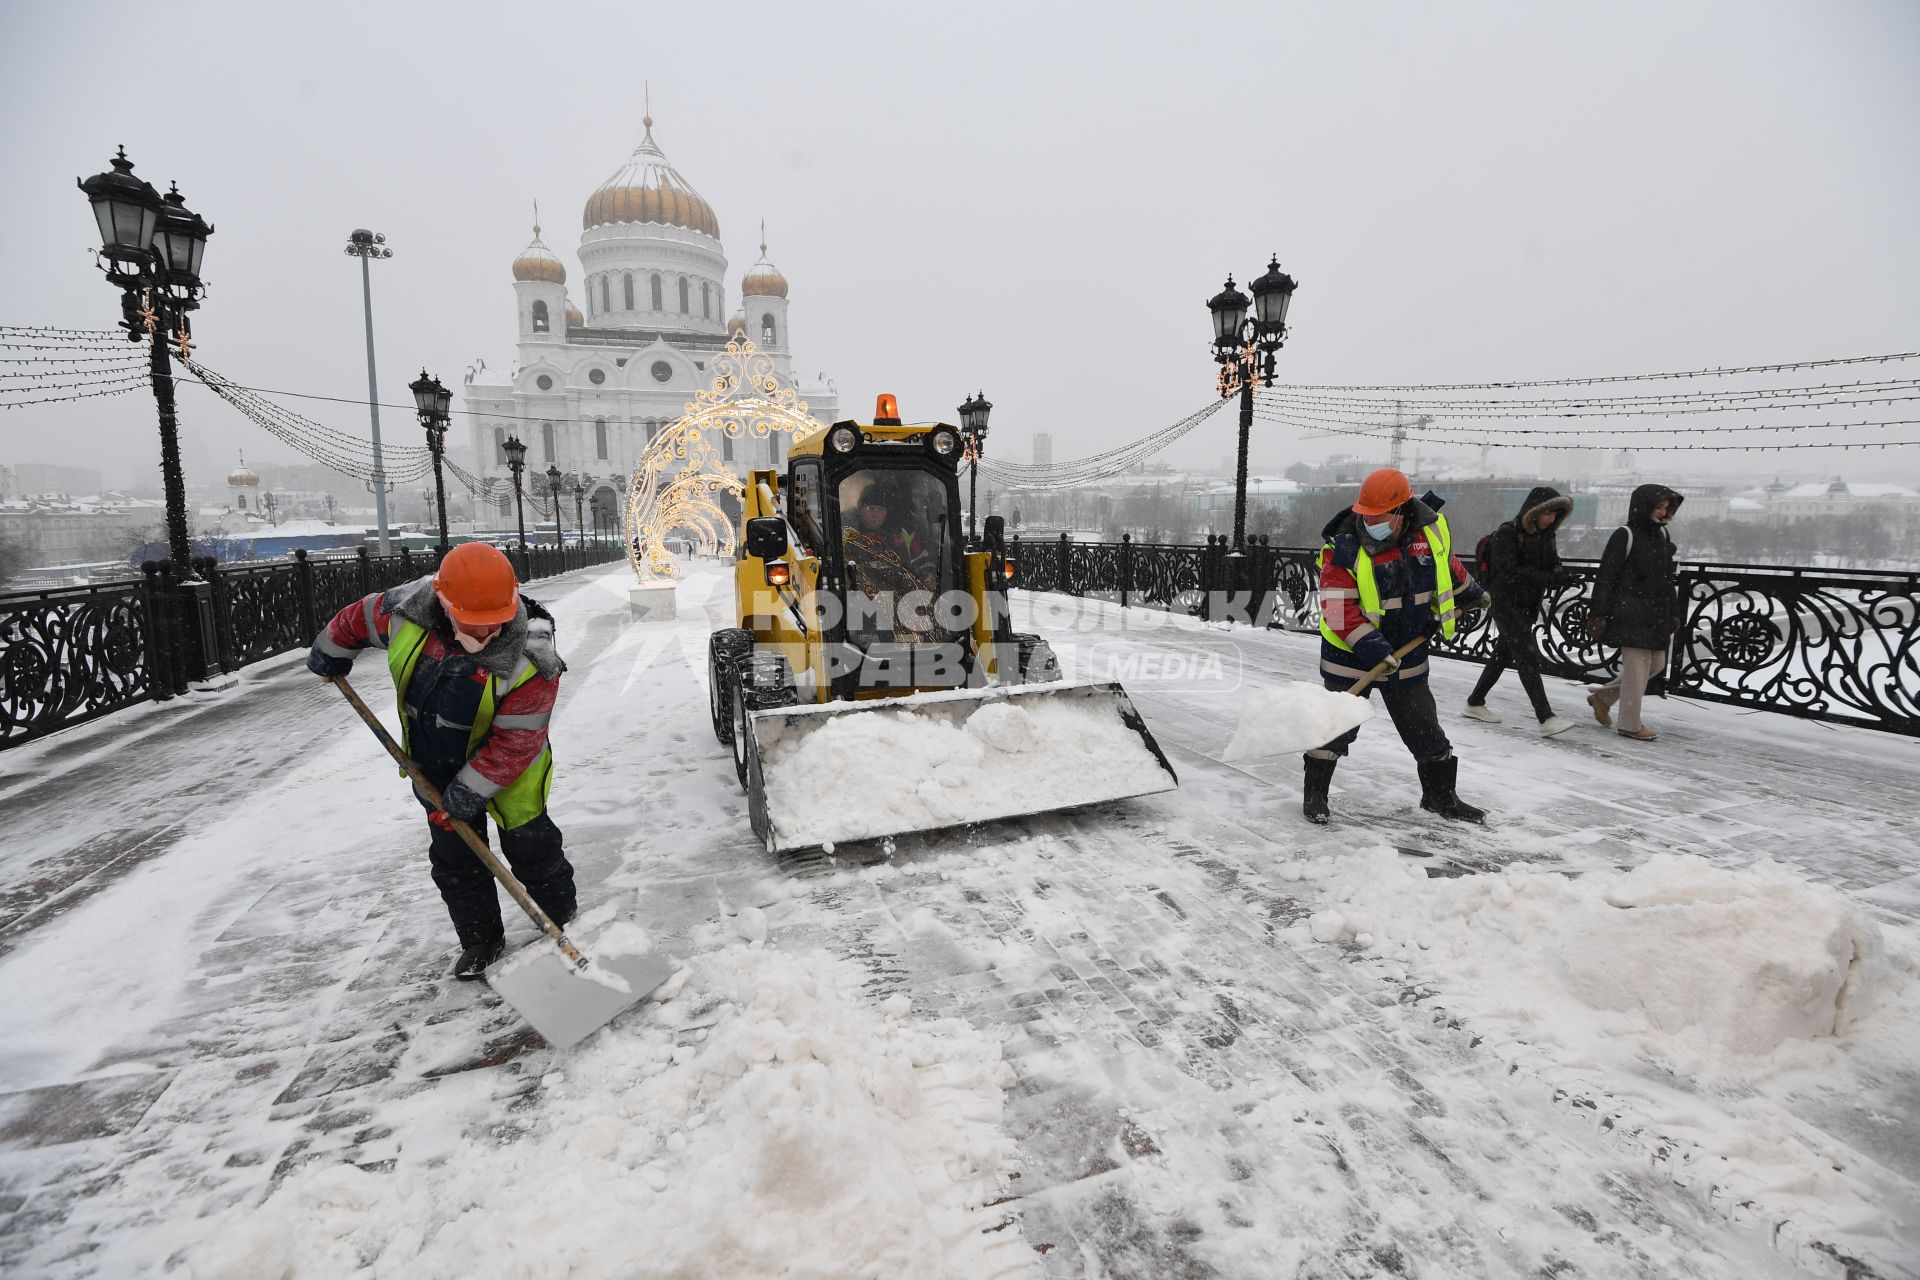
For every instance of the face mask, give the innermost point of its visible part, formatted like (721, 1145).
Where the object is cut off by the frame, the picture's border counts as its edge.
(472, 644)
(1379, 532)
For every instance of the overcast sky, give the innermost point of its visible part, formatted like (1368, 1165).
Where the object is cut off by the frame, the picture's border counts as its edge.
(1034, 199)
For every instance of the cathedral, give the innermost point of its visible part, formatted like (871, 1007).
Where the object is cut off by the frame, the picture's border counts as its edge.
(592, 387)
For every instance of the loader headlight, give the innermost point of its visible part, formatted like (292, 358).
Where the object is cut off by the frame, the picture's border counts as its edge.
(779, 573)
(945, 443)
(1007, 569)
(844, 438)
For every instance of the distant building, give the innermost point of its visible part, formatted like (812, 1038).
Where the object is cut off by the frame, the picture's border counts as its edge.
(57, 531)
(43, 477)
(1043, 448)
(590, 389)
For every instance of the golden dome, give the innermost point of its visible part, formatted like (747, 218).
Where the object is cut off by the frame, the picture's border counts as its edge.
(649, 189)
(536, 262)
(574, 319)
(763, 279)
(242, 475)
(738, 325)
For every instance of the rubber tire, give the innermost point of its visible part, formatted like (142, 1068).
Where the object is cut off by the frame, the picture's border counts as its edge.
(760, 681)
(1038, 665)
(725, 650)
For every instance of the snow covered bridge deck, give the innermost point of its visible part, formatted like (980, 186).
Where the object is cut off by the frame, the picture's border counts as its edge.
(1184, 1036)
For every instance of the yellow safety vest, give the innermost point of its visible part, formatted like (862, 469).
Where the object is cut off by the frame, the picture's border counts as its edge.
(1440, 539)
(523, 799)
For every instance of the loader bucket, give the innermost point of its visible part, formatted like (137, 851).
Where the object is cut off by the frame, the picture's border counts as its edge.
(846, 771)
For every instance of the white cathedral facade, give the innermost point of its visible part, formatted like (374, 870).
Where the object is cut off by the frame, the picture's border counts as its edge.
(592, 387)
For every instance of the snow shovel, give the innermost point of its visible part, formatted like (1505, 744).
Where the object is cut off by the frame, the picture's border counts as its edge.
(1299, 716)
(564, 993)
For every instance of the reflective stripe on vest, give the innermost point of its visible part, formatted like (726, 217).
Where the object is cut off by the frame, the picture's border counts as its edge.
(1440, 542)
(523, 799)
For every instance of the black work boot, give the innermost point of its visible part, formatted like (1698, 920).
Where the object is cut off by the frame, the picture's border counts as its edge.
(474, 960)
(1319, 777)
(1437, 794)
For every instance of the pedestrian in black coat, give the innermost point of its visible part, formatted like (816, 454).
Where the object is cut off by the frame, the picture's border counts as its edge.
(1636, 605)
(1525, 560)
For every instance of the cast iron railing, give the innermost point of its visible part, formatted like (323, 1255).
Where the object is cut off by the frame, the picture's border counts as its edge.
(71, 654)
(1838, 645)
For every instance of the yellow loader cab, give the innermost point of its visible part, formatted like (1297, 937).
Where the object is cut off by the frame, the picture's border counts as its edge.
(855, 592)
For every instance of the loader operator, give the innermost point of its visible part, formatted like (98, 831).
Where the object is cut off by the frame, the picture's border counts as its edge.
(476, 673)
(1389, 577)
(887, 559)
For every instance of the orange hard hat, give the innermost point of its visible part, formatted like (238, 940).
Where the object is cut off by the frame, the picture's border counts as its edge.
(1387, 489)
(476, 585)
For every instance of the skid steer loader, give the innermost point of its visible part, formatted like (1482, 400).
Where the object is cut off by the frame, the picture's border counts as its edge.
(872, 684)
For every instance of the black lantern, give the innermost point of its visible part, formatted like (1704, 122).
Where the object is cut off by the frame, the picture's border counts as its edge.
(516, 456)
(973, 415)
(553, 478)
(125, 209)
(430, 398)
(1229, 308)
(1271, 294)
(179, 240)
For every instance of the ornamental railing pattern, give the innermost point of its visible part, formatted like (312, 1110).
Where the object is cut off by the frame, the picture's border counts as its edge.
(71, 654)
(1838, 645)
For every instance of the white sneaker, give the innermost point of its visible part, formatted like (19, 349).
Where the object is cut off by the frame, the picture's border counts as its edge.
(1554, 724)
(1480, 713)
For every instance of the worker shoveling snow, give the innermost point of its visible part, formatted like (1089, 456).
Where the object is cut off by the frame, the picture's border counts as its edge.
(861, 771)
(1292, 718)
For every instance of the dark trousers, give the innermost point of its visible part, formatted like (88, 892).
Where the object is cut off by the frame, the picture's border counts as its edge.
(1514, 647)
(532, 849)
(1410, 703)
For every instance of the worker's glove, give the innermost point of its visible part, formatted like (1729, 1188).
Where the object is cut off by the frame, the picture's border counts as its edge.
(462, 801)
(325, 664)
(1373, 651)
(440, 819)
(1485, 602)
(1391, 662)
(1596, 626)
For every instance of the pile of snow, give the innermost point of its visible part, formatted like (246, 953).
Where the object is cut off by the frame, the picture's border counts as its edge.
(1292, 718)
(937, 759)
(1711, 970)
(767, 1119)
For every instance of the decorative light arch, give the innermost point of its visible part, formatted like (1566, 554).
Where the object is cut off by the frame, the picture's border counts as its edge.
(680, 473)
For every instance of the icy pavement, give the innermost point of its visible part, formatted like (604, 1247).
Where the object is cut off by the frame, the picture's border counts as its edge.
(1099, 1043)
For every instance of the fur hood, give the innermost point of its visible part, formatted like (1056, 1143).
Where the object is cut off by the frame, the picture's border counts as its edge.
(1541, 500)
(530, 632)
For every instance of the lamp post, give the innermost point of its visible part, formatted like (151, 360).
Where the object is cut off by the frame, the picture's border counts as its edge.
(151, 249)
(580, 507)
(559, 534)
(433, 402)
(517, 463)
(973, 417)
(1244, 350)
(367, 245)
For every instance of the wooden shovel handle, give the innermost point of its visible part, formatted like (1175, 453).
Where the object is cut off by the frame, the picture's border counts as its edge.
(465, 832)
(1360, 685)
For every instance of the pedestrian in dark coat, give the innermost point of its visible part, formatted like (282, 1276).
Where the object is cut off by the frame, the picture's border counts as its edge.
(1636, 605)
(1525, 560)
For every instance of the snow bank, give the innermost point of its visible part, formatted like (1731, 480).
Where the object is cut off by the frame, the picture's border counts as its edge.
(938, 760)
(1712, 970)
(1292, 718)
(767, 1120)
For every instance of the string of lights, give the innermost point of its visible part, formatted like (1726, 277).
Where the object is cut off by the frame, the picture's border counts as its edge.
(1385, 404)
(1643, 448)
(337, 450)
(1098, 466)
(1387, 419)
(1722, 372)
(131, 385)
(71, 380)
(52, 332)
(1455, 434)
(121, 358)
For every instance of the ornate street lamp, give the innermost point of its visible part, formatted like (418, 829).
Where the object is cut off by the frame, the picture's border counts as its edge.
(434, 402)
(151, 250)
(559, 534)
(517, 463)
(973, 420)
(1244, 351)
(579, 507)
(367, 245)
